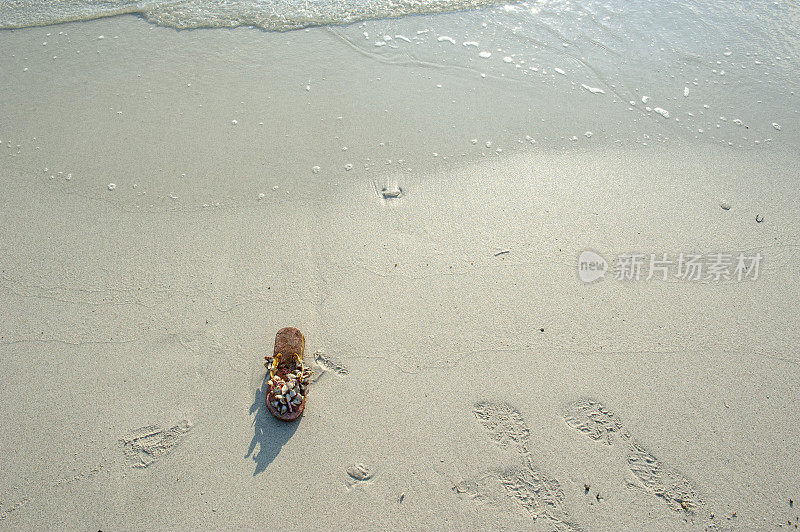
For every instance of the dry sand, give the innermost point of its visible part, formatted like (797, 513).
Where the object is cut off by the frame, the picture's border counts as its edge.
(466, 377)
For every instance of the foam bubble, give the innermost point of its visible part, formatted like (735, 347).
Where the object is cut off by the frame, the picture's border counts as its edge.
(593, 90)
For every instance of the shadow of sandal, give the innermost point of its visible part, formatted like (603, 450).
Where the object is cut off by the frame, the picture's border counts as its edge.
(269, 434)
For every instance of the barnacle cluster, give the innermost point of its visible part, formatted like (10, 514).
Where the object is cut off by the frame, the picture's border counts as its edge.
(287, 394)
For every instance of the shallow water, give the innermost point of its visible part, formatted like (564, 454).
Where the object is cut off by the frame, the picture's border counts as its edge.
(719, 73)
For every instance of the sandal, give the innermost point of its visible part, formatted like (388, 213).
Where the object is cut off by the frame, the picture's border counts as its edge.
(288, 377)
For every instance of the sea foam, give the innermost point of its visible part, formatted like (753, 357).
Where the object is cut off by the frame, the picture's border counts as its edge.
(276, 15)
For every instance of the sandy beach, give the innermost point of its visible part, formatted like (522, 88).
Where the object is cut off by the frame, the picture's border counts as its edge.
(170, 199)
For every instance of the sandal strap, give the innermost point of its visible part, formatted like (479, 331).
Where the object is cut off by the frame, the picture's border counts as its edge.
(272, 363)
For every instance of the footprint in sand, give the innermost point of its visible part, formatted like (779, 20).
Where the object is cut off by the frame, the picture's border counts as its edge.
(360, 475)
(601, 424)
(504, 424)
(328, 364)
(145, 445)
(360, 472)
(525, 485)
